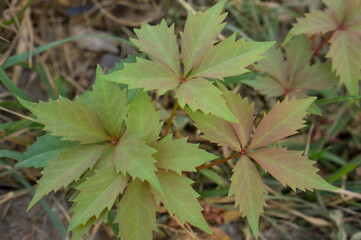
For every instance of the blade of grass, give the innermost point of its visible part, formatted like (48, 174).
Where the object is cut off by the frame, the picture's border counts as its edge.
(46, 82)
(344, 170)
(11, 86)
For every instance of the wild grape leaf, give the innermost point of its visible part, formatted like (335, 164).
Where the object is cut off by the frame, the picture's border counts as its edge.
(195, 93)
(180, 199)
(200, 32)
(133, 156)
(136, 212)
(294, 76)
(160, 42)
(290, 168)
(143, 119)
(178, 155)
(248, 189)
(46, 148)
(342, 19)
(83, 229)
(74, 121)
(67, 167)
(145, 74)
(229, 58)
(283, 120)
(96, 194)
(109, 104)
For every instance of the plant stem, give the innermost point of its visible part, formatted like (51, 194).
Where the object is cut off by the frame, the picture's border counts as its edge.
(318, 49)
(219, 161)
(171, 118)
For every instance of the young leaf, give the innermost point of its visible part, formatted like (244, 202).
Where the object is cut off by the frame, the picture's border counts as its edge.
(178, 155)
(199, 33)
(96, 194)
(315, 22)
(136, 212)
(132, 156)
(145, 74)
(74, 121)
(229, 58)
(180, 199)
(109, 104)
(160, 42)
(290, 168)
(45, 148)
(143, 119)
(196, 94)
(283, 120)
(248, 190)
(67, 167)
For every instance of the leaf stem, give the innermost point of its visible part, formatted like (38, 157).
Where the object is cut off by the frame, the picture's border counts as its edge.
(318, 49)
(171, 118)
(219, 161)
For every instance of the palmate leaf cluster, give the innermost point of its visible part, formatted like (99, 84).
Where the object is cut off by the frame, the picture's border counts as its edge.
(342, 19)
(107, 145)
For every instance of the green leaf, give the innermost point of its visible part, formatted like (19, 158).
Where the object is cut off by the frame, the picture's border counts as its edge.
(45, 148)
(97, 193)
(180, 199)
(243, 111)
(145, 74)
(283, 120)
(133, 156)
(202, 94)
(109, 104)
(74, 121)
(266, 86)
(248, 189)
(136, 212)
(160, 42)
(290, 168)
(315, 22)
(229, 58)
(178, 155)
(83, 229)
(216, 129)
(200, 32)
(67, 167)
(143, 119)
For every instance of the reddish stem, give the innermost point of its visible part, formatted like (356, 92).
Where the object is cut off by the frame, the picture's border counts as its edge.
(318, 49)
(221, 161)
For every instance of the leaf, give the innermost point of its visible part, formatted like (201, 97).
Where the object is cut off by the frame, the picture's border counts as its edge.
(143, 119)
(67, 167)
(216, 129)
(178, 155)
(248, 189)
(229, 58)
(283, 120)
(45, 148)
(74, 121)
(243, 111)
(136, 212)
(200, 31)
(345, 52)
(96, 194)
(132, 156)
(201, 94)
(290, 168)
(109, 104)
(145, 74)
(160, 42)
(180, 199)
(83, 229)
(266, 86)
(315, 22)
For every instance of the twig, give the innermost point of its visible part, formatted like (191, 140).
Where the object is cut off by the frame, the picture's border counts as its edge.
(19, 114)
(171, 118)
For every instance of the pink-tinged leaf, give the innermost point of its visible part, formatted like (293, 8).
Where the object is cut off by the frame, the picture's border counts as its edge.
(178, 155)
(160, 42)
(315, 22)
(345, 52)
(201, 94)
(200, 32)
(248, 190)
(283, 120)
(243, 111)
(216, 129)
(266, 86)
(229, 58)
(290, 168)
(145, 74)
(180, 199)
(136, 212)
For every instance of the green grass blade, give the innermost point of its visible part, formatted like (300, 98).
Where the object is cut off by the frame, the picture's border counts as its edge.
(45, 80)
(11, 86)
